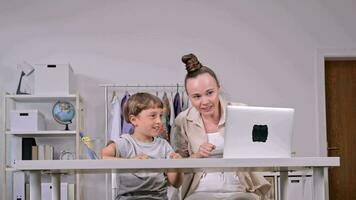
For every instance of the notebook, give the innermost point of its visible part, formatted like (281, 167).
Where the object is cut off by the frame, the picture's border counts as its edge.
(258, 132)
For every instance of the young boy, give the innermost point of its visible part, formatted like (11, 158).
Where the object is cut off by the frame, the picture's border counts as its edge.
(144, 112)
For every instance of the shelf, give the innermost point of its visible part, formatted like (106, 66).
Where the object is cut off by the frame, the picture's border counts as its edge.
(46, 172)
(55, 133)
(41, 98)
(12, 138)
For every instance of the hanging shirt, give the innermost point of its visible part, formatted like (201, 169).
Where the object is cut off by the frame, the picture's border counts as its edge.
(125, 127)
(177, 108)
(177, 105)
(171, 105)
(185, 102)
(115, 130)
(166, 116)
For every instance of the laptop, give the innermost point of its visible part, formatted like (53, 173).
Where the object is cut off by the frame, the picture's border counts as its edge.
(258, 132)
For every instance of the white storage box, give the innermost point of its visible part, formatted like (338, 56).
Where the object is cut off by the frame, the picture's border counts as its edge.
(54, 79)
(27, 120)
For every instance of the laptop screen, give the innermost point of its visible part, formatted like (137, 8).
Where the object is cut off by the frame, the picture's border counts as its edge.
(258, 132)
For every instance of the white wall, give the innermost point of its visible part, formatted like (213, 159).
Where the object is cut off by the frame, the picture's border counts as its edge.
(263, 51)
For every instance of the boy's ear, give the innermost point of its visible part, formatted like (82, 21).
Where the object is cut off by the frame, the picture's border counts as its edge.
(133, 120)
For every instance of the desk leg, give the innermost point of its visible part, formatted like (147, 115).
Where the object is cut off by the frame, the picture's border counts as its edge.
(284, 185)
(35, 185)
(56, 186)
(319, 187)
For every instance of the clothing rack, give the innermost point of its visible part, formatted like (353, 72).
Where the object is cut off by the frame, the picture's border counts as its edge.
(106, 97)
(106, 90)
(138, 86)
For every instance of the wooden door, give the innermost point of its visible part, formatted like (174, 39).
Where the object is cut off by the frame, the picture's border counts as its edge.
(340, 92)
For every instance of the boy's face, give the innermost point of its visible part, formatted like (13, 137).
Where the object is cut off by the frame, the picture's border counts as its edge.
(148, 122)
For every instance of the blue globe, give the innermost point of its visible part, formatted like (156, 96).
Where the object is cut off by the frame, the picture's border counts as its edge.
(63, 112)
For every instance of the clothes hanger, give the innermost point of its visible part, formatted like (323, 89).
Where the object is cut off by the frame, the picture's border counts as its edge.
(126, 92)
(113, 95)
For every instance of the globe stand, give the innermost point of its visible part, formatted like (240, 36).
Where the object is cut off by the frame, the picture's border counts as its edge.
(67, 127)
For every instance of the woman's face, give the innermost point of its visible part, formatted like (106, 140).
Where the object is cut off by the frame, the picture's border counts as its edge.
(203, 92)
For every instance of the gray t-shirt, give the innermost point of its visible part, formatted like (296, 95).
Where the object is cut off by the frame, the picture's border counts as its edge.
(142, 185)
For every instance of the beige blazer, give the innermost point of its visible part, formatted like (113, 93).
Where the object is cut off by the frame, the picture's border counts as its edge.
(189, 133)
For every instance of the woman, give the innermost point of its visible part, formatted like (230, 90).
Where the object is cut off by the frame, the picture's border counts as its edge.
(198, 133)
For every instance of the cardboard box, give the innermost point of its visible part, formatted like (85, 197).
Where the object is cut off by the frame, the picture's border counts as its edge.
(46, 191)
(27, 120)
(54, 79)
(18, 186)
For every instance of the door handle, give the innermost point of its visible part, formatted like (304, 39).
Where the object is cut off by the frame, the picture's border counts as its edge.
(334, 148)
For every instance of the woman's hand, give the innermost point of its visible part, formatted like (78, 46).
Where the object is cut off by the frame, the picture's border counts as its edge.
(175, 155)
(204, 150)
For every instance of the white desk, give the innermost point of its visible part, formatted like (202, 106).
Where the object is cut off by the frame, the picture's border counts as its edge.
(282, 165)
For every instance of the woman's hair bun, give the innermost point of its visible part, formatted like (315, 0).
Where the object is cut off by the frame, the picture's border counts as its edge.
(191, 62)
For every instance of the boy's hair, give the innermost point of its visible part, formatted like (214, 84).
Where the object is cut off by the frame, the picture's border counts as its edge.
(139, 102)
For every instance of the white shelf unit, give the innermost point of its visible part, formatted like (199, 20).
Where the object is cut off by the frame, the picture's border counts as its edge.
(299, 184)
(42, 133)
(42, 98)
(10, 103)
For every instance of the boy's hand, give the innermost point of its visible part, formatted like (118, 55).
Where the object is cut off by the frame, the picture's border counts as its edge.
(175, 155)
(109, 158)
(141, 157)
